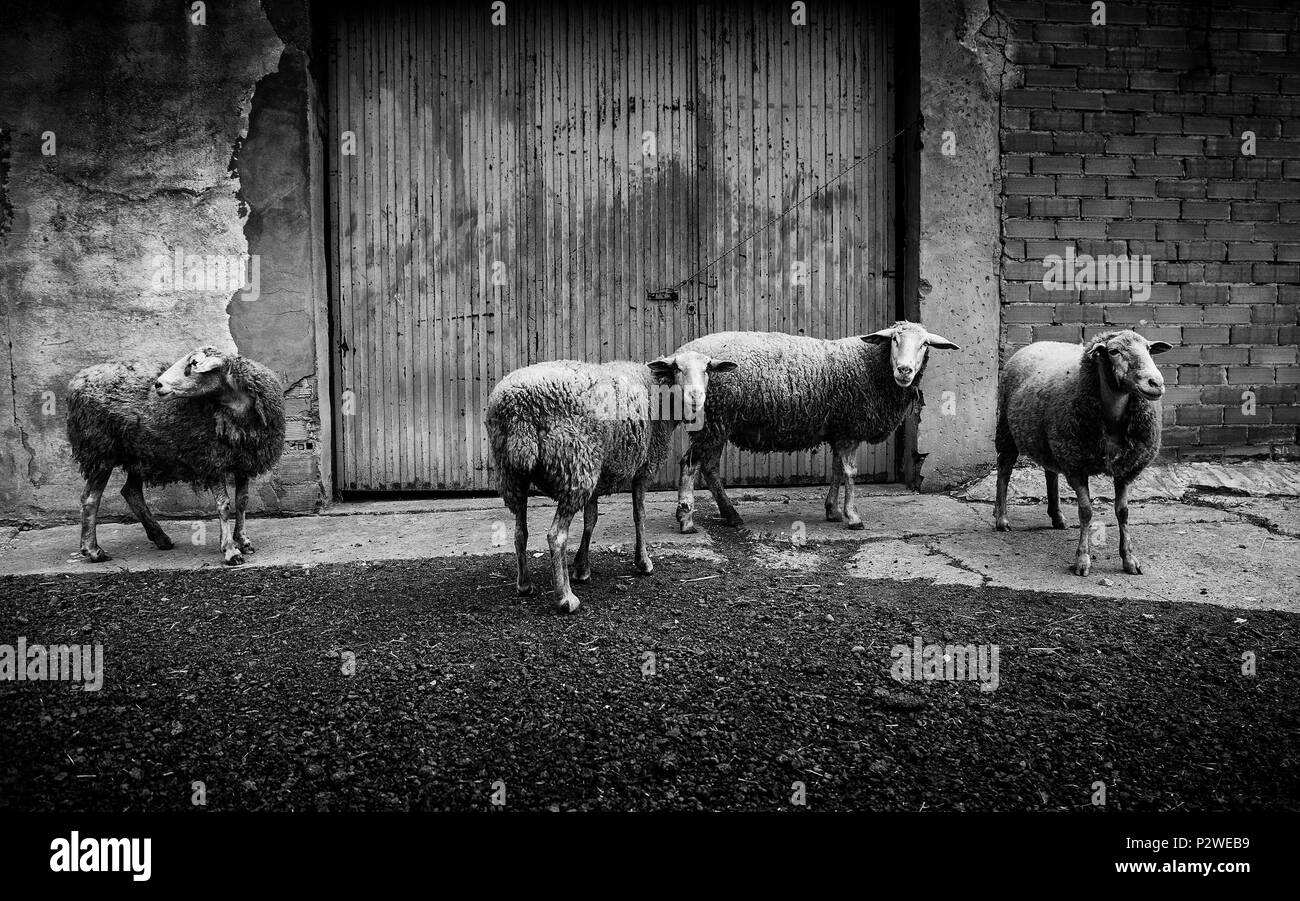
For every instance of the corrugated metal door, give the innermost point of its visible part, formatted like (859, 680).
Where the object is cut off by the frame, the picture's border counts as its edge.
(505, 194)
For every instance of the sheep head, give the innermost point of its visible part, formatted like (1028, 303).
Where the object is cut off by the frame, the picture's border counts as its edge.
(688, 372)
(908, 343)
(1124, 362)
(197, 374)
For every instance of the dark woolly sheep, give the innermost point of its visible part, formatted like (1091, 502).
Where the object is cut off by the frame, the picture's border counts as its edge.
(577, 431)
(208, 418)
(794, 393)
(1080, 411)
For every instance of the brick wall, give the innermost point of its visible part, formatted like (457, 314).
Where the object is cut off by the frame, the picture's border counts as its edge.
(1127, 139)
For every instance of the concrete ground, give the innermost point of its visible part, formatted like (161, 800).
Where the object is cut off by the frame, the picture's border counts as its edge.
(1226, 535)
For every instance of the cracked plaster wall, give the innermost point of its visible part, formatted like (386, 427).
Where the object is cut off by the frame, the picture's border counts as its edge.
(169, 136)
(963, 72)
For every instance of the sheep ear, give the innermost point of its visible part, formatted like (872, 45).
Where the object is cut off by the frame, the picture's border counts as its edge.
(721, 366)
(940, 342)
(664, 367)
(884, 336)
(1159, 347)
(207, 363)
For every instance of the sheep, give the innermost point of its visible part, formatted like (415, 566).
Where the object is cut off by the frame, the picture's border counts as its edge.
(578, 430)
(794, 393)
(1081, 410)
(208, 417)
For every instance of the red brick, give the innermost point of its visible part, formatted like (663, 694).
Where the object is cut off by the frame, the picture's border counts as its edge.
(1205, 209)
(1020, 184)
(1130, 187)
(1254, 212)
(1156, 209)
(1250, 375)
(1250, 252)
(1252, 294)
(1078, 142)
(1039, 77)
(1158, 166)
(1200, 375)
(1057, 165)
(1206, 334)
(1189, 189)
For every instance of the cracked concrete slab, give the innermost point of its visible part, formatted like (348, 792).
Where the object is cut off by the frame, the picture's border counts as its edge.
(1235, 551)
(772, 513)
(478, 529)
(1277, 514)
(1260, 478)
(1233, 564)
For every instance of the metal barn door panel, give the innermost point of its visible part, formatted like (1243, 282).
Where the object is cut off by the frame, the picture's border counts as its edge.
(784, 109)
(514, 192)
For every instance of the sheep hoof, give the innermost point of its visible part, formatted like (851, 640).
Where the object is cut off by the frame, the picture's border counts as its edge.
(95, 555)
(856, 525)
(581, 575)
(645, 566)
(568, 605)
(524, 588)
(1082, 564)
(1002, 524)
(234, 559)
(834, 515)
(246, 546)
(1058, 522)
(1132, 567)
(163, 543)
(735, 522)
(688, 526)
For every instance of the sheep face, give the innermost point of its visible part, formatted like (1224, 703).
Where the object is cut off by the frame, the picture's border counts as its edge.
(688, 373)
(1132, 371)
(908, 344)
(196, 374)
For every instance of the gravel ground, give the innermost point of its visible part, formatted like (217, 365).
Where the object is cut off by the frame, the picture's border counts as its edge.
(763, 679)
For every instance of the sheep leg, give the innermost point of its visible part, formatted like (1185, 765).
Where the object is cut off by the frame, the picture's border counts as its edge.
(582, 560)
(241, 504)
(1054, 499)
(558, 539)
(834, 510)
(523, 578)
(643, 563)
(686, 492)
(133, 494)
(1131, 564)
(709, 468)
(1007, 455)
(1083, 556)
(230, 552)
(94, 490)
(848, 456)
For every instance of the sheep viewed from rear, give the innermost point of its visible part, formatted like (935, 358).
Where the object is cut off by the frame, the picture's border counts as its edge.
(793, 393)
(207, 418)
(577, 431)
(1081, 410)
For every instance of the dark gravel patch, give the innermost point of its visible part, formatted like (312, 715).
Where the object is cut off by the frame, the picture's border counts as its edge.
(763, 679)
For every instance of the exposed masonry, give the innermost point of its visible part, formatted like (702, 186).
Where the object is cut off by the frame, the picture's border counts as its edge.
(1127, 139)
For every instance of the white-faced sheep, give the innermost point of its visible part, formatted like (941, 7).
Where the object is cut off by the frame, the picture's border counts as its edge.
(793, 393)
(207, 418)
(1080, 411)
(577, 431)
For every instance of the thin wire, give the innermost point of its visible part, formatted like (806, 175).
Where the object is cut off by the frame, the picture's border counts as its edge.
(801, 201)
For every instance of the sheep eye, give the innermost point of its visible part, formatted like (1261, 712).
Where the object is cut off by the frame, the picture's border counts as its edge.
(1114, 353)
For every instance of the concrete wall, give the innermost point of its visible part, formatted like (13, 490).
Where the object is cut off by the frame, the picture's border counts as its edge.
(962, 71)
(167, 136)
